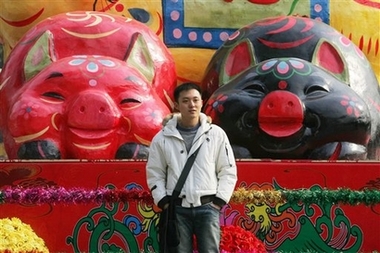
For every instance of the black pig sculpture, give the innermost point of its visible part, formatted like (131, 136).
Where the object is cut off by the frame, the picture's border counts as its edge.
(294, 88)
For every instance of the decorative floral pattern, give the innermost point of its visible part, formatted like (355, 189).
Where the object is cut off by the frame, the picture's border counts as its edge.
(284, 68)
(215, 106)
(152, 116)
(352, 105)
(27, 110)
(93, 63)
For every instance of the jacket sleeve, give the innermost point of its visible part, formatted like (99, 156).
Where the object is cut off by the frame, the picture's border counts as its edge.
(226, 172)
(156, 172)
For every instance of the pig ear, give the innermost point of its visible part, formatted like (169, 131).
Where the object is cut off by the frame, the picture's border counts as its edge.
(239, 58)
(328, 57)
(139, 57)
(39, 56)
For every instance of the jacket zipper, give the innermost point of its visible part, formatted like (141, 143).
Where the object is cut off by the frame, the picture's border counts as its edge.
(228, 156)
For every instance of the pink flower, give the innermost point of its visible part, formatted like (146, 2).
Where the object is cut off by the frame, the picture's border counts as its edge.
(27, 110)
(152, 115)
(352, 105)
(215, 106)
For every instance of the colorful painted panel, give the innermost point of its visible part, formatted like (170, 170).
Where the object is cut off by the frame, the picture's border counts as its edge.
(87, 227)
(356, 19)
(217, 20)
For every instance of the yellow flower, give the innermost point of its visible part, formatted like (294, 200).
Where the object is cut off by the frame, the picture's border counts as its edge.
(16, 236)
(244, 196)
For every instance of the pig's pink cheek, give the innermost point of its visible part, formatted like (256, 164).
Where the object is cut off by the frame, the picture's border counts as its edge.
(17, 124)
(28, 116)
(19, 114)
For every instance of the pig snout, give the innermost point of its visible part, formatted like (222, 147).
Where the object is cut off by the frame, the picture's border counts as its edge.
(281, 114)
(93, 110)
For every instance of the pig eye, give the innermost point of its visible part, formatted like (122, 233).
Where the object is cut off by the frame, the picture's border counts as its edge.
(55, 74)
(316, 90)
(129, 100)
(255, 89)
(129, 103)
(54, 95)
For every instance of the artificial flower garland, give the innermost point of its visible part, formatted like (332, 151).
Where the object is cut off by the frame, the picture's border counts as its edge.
(56, 195)
(16, 236)
(346, 196)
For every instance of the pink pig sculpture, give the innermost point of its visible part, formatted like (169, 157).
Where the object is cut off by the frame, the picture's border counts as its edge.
(85, 85)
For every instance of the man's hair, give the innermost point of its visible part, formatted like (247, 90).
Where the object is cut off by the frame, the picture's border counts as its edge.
(185, 87)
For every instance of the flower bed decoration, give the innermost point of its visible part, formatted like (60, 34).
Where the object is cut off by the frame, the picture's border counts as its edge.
(237, 240)
(234, 239)
(16, 236)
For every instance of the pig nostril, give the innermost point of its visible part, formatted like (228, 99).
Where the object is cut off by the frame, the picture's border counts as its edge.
(290, 103)
(270, 105)
(82, 109)
(101, 109)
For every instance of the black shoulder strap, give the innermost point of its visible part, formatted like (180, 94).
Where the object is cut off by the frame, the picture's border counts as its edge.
(184, 174)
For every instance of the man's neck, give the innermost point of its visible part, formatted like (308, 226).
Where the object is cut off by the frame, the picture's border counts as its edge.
(189, 123)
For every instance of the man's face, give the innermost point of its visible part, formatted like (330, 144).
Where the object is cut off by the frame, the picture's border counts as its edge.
(189, 104)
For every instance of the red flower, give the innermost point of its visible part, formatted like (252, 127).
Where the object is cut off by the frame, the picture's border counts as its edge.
(235, 239)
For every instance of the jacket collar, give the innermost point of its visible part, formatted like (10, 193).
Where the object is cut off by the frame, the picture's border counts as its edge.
(170, 123)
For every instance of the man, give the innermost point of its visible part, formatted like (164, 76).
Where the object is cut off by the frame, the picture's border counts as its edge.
(211, 180)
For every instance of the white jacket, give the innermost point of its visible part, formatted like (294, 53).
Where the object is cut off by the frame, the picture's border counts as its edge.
(213, 172)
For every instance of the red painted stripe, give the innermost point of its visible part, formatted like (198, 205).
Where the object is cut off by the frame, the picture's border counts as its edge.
(369, 45)
(285, 45)
(264, 2)
(289, 25)
(159, 31)
(369, 3)
(24, 22)
(108, 7)
(361, 43)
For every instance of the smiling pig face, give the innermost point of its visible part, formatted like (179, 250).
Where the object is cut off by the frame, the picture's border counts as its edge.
(84, 106)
